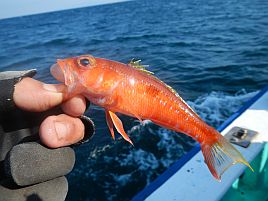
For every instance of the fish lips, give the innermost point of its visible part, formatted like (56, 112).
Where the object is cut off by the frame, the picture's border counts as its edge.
(62, 72)
(57, 72)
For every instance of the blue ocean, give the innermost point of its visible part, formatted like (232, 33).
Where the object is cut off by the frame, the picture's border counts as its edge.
(214, 53)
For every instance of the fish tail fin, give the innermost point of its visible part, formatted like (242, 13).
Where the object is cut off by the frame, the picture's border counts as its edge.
(219, 155)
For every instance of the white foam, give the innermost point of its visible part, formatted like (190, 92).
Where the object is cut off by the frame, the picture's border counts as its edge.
(216, 107)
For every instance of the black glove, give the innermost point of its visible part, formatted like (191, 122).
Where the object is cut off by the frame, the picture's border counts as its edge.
(28, 169)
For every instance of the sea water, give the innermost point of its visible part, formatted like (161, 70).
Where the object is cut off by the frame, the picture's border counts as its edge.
(214, 53)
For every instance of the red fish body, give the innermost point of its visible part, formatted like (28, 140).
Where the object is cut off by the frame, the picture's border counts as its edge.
(131, 90)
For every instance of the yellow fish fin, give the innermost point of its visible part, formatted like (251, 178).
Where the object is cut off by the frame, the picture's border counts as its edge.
(137, 64)
(220, 155)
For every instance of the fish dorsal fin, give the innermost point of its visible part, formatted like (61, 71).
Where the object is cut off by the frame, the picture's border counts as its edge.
(137, 64)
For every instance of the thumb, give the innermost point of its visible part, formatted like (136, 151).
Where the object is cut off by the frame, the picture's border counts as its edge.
(35, 96)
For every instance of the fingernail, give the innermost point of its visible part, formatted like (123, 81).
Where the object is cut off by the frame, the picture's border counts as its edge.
(54, 87)
(61, 130)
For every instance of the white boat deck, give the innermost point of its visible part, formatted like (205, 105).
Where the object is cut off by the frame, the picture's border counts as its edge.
(193, 181)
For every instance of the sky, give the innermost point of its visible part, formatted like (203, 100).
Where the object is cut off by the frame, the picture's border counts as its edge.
(14, 8)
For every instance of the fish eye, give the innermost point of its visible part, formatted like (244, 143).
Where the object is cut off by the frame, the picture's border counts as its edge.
(84, 62)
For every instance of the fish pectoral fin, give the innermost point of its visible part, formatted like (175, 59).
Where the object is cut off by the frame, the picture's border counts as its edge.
(118, 125)
(109, 123)
(133, 114)
(137, 116)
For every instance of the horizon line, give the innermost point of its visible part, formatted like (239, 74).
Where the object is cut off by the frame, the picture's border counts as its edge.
(58, 10)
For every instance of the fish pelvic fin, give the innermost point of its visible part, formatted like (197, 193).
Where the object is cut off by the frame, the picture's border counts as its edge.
(109, 123)
(112, 119)
(220, 155)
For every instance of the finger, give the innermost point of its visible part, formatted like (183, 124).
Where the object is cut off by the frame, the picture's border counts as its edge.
(75, 106)
(61, 130)
(33, 95)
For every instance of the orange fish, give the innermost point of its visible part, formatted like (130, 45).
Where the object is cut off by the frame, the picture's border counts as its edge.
(131, 90)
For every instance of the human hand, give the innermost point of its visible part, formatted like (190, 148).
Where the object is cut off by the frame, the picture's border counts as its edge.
(29, 169)
(57, 130)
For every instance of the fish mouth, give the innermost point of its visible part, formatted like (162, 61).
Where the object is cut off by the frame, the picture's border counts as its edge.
(57, 73)
(61, 71)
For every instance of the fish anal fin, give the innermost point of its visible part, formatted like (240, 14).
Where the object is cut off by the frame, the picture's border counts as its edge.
(141, 121)
(109, 123)
(119, 126)
(134, 114)
(220, 155)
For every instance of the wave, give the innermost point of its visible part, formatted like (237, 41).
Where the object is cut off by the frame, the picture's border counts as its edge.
(52, 42)
(216, 107)
(20, 64)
